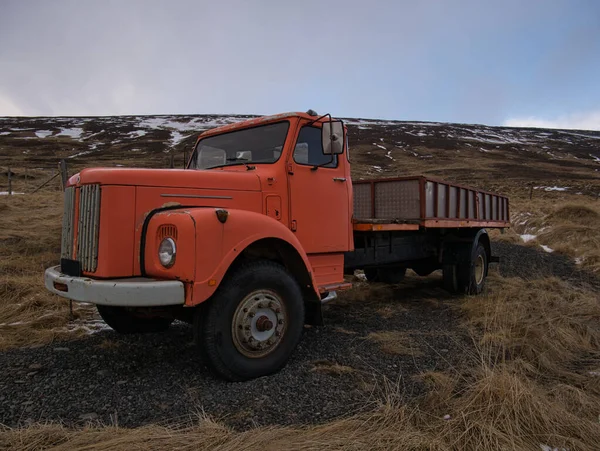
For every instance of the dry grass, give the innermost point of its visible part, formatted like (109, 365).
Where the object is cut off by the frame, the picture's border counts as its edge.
(331, 368)
(571, 228)
(545, 322)
(395, 342)
(528, 382)
(29, 243)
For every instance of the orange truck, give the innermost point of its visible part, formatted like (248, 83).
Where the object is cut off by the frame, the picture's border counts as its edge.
(256, 234)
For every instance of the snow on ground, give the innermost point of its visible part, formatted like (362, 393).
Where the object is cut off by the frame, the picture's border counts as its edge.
(527, 237)
(85, 152)
(595, 158)
(369, 122)
(137, 133)
(177, 137)
(552, 188)
(546, 248)
(380, 146)
(43, 133)
(194, 125)
(550, 448)
(90, 326)
(74, 133)
(5, 193)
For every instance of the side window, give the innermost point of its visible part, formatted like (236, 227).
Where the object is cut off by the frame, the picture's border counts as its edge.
(309, 150)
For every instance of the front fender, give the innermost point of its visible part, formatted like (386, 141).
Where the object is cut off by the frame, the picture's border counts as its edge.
(219, 244)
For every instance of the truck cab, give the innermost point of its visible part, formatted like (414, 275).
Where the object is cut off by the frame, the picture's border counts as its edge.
(245, 243)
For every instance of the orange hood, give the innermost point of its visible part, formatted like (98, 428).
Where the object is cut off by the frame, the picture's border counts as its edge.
(173, 178)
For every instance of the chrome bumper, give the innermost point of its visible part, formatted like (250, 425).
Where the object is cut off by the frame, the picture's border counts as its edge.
(132, 292)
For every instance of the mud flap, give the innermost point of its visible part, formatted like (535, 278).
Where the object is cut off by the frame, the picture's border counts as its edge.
(313, 315)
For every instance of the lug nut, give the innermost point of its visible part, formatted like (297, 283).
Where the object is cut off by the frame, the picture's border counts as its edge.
(278, 334)
(247, 327)
(280, 321)
(259, 305)
(251, 314)
(245, 310)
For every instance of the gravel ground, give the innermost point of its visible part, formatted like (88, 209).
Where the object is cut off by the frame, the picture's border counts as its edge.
(139, 379)
(530, 263)
(160, 378)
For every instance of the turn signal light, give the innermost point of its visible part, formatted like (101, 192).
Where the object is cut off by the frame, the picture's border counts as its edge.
(61, 287)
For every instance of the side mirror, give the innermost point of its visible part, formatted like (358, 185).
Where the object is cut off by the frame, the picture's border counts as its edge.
(332, 137)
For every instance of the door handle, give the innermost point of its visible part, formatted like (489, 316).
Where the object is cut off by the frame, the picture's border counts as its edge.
(339, 179)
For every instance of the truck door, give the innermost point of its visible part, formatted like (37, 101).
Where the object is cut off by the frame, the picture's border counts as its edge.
(319, 197)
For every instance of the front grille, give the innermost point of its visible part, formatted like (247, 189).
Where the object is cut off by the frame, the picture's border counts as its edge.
(89, 227)
(66, 248)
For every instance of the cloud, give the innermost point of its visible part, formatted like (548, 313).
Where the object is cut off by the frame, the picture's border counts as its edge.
(8, 107)
(580, 121)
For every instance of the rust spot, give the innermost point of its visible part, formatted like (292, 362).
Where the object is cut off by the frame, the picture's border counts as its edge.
(263, 324)
(170, 204)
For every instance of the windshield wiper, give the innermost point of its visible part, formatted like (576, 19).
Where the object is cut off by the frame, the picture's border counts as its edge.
(248, 167)
(234, 160)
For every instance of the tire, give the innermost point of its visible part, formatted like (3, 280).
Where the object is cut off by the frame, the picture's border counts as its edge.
(386, 274)
(471, 277)
(252, 324)
(449, 278)
(371, 274)
(124, 320)
(467, 277)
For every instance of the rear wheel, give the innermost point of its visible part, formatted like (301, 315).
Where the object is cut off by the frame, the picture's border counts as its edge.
(253, 323)
(385, 274)
(467, 277)
(129, 321)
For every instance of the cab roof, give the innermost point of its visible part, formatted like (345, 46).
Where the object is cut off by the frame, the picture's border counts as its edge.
(260, 120)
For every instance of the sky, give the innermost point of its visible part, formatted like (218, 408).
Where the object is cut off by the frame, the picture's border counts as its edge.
(500, 62)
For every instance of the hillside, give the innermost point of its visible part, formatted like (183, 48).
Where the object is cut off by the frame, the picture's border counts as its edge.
(506, 159)
(404, 366)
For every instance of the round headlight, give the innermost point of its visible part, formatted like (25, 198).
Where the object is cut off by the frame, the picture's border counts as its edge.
(166, 252)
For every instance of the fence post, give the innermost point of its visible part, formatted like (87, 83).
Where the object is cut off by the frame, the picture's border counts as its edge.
(184, 158)
(531, 192)
(64, 176)
(9, 182)
(172, 161)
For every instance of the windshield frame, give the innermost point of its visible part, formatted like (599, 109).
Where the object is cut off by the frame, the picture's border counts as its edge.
(194, 159)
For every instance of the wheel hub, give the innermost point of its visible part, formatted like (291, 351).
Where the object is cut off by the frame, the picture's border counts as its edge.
(259, 323)
(479, 269)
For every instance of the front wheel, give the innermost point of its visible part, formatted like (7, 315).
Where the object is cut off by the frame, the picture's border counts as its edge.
(129, 321)
(253, 323)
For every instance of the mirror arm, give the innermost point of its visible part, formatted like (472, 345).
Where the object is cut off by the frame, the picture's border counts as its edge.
(319, 118)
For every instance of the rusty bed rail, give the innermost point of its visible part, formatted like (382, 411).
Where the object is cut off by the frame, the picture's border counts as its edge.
(411, 202)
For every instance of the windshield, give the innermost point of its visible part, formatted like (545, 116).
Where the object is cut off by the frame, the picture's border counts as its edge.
(260, 144)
